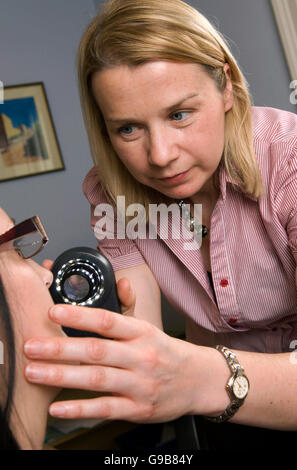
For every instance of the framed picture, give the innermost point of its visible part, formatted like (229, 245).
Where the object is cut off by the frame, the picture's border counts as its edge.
(28, 141)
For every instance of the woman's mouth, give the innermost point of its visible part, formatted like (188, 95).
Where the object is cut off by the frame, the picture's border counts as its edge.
(174, 179)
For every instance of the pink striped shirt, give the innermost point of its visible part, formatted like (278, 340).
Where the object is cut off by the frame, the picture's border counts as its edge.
(253, 251)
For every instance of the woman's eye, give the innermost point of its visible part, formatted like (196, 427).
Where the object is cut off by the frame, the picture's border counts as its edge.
(179, 116)
(127, 130)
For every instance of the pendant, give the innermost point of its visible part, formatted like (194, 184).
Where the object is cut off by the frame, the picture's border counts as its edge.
(200, 230)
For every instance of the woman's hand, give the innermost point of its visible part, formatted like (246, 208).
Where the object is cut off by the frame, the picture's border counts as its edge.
(142, 374)
(48, 264)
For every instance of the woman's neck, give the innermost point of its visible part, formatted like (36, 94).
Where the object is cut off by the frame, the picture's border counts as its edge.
(207, 196)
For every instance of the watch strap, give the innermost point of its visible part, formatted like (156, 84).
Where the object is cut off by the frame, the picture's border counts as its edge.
(236, 403)
(230, 358)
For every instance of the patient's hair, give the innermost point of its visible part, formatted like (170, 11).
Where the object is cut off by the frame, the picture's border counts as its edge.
(7, 374)
(132, 32)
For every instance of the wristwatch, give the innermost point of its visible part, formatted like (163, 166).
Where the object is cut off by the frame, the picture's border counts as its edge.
(237, 386)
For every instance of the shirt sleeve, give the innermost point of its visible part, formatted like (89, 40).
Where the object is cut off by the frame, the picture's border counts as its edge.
(121, 252)
(286, 197)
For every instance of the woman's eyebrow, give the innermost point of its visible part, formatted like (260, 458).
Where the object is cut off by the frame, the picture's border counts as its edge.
(167, 110)
(179, 103)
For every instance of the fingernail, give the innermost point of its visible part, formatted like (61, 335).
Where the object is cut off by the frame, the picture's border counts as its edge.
(34, 372)
(33, 348)
(57, 312)
(58, 411)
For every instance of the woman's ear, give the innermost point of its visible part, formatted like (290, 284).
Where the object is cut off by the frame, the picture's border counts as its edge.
(228, 92)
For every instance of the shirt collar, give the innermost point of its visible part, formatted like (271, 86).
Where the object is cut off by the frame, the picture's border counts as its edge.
(224, 178)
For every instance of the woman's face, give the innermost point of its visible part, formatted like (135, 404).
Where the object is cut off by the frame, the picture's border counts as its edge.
(166, 122)
(26, 284)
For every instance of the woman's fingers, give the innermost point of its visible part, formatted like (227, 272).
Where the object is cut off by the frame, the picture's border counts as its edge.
(48, 264)
(82, 350)
(93, 378)
(112, 407)
(126, 296)
(104, 322)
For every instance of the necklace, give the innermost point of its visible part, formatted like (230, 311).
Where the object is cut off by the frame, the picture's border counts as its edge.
(193, 226)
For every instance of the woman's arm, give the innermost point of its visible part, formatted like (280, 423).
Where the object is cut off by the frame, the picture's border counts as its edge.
(272, 399)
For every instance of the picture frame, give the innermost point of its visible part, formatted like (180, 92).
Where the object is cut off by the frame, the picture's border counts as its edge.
(28, 140)
(285, 13)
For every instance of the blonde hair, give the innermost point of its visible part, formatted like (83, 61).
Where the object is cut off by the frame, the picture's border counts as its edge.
(132, 32)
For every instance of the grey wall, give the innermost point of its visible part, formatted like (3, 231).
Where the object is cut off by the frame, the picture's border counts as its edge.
(250, 29)
(38, 41)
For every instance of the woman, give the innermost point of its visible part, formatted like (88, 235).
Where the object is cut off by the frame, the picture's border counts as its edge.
(169, 119)
(24, 305)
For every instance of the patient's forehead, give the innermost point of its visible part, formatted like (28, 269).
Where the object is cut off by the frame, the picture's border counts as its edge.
(5, 221)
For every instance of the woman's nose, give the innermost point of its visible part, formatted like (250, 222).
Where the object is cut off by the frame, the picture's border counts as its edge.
(162, 148)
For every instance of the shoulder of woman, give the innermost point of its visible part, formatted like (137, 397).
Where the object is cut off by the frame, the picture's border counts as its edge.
(274, 125)
(92, 187)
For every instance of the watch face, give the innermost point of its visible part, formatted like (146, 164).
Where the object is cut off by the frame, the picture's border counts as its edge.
(240, 386)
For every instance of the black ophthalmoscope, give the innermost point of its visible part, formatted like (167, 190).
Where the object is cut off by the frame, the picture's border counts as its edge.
(84, 276)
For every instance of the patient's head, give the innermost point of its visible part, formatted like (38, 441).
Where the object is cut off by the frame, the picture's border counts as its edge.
(24, 304)
(26, 284)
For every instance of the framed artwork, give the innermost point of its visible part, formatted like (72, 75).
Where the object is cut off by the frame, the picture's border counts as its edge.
(285, 12)
(28, 141)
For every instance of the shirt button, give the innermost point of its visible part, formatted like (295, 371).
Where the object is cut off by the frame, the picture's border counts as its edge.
(232, 321)
(224, 283)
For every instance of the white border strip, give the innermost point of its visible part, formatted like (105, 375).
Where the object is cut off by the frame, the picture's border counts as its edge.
(285, 12)
(1, 353)
(1, 92)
